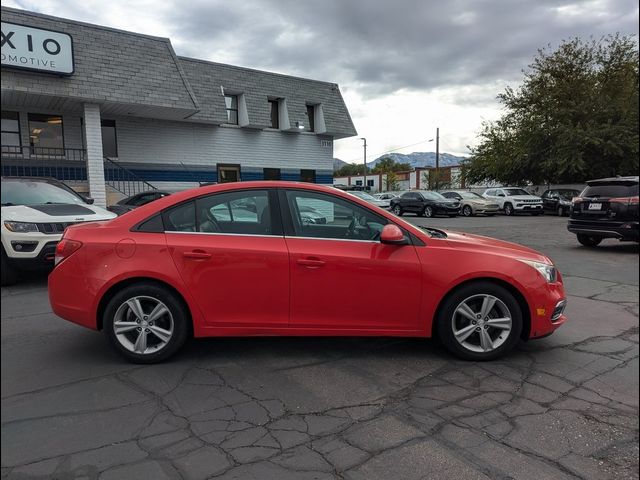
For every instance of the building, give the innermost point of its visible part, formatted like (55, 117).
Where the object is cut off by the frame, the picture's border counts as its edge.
(422, 178)
(114, 112)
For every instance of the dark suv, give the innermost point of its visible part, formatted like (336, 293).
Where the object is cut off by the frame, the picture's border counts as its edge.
(607, 208)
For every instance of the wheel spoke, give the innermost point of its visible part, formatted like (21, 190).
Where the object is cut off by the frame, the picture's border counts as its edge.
(487, 305)
(464, 333)
(122, 327)
(141, 343)
(501, 323)
(157, 312)
(161, 333)
(136, 308)
(485, 341)
(466, 311)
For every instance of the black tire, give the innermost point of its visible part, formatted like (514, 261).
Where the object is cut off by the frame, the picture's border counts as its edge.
(397, 210)
(467, 211)
(589, 240)
(428, 212)
(175, 305)
(508, 210)
(447, 309)
(8, 273)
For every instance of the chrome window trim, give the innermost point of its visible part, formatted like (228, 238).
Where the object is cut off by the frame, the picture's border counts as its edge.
(271, 236)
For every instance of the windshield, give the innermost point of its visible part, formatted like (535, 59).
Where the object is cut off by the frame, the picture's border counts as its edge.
(568, 194)
(432, 195)
(471, 195)
(515, 191)
(26, 192)
(363, 195)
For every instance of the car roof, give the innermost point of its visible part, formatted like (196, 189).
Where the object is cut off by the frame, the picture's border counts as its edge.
(630, 180)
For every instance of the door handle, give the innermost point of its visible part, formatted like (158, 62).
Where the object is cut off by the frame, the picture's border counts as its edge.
(311, 262)
(197, 255)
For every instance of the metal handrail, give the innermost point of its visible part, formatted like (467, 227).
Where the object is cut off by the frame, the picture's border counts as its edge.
(124, 180)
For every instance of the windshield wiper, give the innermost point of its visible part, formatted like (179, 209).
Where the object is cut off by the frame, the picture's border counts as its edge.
(434, 232)
(8, 204)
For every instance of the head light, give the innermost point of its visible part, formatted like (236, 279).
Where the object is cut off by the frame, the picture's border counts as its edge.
(21, 227)
(548, 271)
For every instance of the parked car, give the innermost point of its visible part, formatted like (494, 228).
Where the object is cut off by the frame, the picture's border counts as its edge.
(127, 204)
(472, 203)
(367, 197)
(386, 195)
(606, 208)
(559, 200)
(515, 200)
(424, 203)
(35, 212)
(154, 283)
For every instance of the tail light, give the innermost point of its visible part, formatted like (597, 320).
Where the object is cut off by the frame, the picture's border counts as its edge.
(65, 249)
(625, 200)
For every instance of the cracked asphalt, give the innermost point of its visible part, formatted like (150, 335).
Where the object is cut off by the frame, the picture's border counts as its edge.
(321, 408)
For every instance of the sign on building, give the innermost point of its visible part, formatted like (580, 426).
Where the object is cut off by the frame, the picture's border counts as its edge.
(31, 48)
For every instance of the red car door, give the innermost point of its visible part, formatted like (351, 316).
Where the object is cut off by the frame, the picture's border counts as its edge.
(342, 277)
(232, 258)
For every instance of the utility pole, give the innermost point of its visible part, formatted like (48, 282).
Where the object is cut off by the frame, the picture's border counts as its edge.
(364, 183)
(437, 157)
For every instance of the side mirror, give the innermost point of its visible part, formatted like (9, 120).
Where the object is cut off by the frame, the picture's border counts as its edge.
(392, 235)
(501, 195)
(88, 200)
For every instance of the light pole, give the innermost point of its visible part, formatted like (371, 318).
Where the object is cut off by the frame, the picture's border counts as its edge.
(437, 157)
(364, 183)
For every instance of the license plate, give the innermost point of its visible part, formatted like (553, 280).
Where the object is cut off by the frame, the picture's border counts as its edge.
(595, 206)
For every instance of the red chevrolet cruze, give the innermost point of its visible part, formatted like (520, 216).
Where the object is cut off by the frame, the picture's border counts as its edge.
(282, 258)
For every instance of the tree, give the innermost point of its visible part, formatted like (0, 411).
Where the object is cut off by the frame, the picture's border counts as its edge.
(349, 170)
(391, 182)
(387, 165)
(574, 117)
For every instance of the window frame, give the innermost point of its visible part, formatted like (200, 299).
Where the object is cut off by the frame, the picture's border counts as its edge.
(274, 103)
(230, 109)
(311, 117)
(19, 132)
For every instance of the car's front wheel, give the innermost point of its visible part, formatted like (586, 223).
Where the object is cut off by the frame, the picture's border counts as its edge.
(508, 209)
(146, 322)
(397, 210)
(428, 211)
(467, 211)
(480, 321)
(8, 273)
(589, 240)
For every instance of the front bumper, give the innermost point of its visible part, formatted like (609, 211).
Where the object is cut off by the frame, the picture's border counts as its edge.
(485, 209)
(528, 207)
(624, 231)
(30, 249)
(547, 310)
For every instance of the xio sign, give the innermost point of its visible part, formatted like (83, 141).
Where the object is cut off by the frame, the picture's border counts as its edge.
(36, 49)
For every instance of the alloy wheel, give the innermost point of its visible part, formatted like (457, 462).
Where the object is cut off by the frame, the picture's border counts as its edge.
(143, 325)
(481, 323)
(397, 210)
(428, 212)
(467, 211)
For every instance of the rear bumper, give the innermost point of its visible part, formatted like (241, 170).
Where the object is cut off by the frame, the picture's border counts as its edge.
(625, 231)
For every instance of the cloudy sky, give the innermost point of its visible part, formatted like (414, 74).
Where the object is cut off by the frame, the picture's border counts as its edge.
(404, 67)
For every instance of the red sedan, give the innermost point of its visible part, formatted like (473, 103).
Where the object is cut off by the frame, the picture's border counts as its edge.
(282, 258)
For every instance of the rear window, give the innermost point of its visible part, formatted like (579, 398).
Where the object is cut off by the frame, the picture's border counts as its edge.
(611, 190)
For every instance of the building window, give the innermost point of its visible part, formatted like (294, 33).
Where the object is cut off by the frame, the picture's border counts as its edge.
(228, 173)
(45, 131)
(358, 183)
(311, 118)
(11, 141)
(275, 113)
(109, 143)
(231, 101)
(271, 173)
(308, 176)
(371, 183)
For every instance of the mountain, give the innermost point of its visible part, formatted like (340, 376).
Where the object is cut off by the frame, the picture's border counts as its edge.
(420, 159)
(337, 164)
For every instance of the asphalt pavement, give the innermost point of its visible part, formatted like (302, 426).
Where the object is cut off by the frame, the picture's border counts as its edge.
(321, 408)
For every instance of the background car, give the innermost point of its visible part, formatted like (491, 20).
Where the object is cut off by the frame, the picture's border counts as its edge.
(127, 204)
(35, 212)
(472, 203)
(153, 283)
(559, 200)
(515, 200)
(424, 203)
(606, 208)
(386, 195)
(367, 197)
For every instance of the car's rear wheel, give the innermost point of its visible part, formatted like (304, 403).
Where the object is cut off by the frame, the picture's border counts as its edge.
(508, 209)
(397, 210)
(146, 322)
(467, 211)
(428, 211)
(589, 240)
(8, 273)
(480, 321)
(560, 212)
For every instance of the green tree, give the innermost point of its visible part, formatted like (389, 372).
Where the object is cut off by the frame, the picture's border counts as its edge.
(391, 182)
(349, 169)
(574, 117)
(387, 165)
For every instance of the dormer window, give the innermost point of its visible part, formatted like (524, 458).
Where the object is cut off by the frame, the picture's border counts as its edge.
(231, 102)
(311, 118)
(274, 106)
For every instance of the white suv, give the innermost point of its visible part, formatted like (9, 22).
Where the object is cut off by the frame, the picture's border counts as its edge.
(35, 212)
(515, 200)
